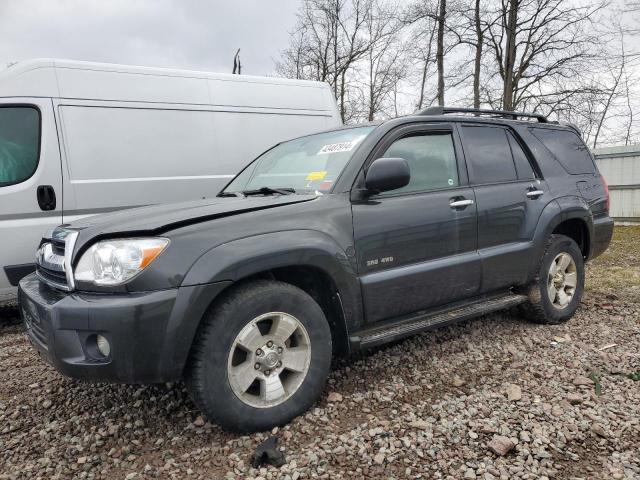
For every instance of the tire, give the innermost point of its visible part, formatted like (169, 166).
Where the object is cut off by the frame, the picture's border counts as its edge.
(220, 367)
(540, 307)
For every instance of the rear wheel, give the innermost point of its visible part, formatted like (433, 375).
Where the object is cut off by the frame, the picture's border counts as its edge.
(554, 295)
(261, 357)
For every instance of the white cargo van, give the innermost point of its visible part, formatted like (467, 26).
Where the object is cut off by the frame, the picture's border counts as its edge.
(80, 138)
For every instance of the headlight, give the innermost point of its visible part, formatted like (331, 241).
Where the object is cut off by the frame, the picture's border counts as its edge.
(113, 262)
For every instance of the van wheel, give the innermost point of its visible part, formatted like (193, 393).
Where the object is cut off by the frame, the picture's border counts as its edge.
(555, 293)
(261, 357)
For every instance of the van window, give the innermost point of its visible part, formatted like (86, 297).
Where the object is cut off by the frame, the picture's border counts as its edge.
(431, 158)
(523, 166)
(488, 154)
(19, 144)
(568, 148)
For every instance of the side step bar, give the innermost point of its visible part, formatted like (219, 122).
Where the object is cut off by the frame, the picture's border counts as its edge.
(427, 320)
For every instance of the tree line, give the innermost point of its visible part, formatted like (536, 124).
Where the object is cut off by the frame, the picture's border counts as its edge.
(569, 59)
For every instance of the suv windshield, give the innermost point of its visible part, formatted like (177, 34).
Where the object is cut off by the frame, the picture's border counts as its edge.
(308, 163)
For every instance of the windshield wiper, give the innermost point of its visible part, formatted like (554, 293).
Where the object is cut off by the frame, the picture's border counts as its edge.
(269, 191)
(228, 194)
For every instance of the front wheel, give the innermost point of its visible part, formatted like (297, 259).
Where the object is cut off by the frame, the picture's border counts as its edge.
(261, 357)
(554, 295)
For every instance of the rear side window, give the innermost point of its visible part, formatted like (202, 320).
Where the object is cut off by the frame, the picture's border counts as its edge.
(523, 166)
(431, 158)
(567, 147)
(488, 154)
(19, 144)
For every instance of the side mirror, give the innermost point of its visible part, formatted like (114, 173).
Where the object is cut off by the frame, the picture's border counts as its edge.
(386, 174)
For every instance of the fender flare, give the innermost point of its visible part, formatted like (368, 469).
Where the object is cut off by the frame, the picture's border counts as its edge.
(242, 258)
(558, 211)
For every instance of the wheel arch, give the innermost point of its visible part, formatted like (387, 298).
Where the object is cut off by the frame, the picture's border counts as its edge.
(567, 216)
(307, 259)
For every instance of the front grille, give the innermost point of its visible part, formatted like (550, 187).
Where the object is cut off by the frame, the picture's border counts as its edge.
(51, 259)
(52, 277)
(58, 247)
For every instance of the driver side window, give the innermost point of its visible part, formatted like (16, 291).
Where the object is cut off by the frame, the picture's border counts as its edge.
(431, 159)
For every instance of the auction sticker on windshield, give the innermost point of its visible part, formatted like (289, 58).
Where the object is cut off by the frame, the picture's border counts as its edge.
(341, 146)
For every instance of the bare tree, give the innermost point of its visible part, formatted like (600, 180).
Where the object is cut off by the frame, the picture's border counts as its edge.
(536, 40)
(431, 19)
(442, 12)
(422, 18)
(470, 28)
(329, 39)
(385, 63)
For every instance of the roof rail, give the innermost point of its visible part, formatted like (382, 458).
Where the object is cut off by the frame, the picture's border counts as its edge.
(480, 111)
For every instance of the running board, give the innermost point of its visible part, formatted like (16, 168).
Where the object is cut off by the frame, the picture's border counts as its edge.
(427, 320)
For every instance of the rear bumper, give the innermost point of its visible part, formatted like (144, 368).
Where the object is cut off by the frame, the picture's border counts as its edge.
(601, 238)
(150, 333)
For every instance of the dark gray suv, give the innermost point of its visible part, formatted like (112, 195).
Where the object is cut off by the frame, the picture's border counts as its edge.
(322, 246)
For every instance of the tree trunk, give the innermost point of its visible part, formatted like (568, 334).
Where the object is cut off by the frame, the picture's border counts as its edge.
(423, 81)
(425, 70)
(342, 89)
(440, 51)
(478, 59)
(372, 80)
(510, 56)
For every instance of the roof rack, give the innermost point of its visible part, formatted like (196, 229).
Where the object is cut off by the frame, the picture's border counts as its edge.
(479, 111)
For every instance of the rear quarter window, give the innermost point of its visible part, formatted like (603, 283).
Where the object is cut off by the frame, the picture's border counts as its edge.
(19, 143)
(568, 148)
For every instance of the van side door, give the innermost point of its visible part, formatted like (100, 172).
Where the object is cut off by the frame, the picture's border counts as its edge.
(416, 246)
(30, 185)
(510, 196)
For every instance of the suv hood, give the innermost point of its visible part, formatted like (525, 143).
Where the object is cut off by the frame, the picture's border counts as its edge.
(156, 219)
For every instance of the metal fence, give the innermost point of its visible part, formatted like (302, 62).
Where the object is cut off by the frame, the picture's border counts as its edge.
(621, 168)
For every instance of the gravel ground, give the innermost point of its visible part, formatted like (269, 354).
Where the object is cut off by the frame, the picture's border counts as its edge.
(493, 398)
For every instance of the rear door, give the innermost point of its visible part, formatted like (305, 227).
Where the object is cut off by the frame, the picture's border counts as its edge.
(510, 196)
(30, 185)
(416, 246)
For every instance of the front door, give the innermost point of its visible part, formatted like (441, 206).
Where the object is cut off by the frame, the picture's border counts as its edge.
(30, 185)
(416, 246)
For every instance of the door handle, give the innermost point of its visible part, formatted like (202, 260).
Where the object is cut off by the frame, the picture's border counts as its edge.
(46, 197)
(460, 203)
(534, 193)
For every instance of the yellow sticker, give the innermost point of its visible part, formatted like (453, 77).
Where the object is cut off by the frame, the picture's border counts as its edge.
(314, 176)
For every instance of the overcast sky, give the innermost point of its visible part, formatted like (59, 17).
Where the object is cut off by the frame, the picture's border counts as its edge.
(192, 34)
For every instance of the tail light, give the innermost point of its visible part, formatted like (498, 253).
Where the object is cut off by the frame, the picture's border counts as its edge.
(606, 193)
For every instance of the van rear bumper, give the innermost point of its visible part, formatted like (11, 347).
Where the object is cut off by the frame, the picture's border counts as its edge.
(602, 233)
(149, 333)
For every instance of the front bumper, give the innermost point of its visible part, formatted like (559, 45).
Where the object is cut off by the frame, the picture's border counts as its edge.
(150, 333)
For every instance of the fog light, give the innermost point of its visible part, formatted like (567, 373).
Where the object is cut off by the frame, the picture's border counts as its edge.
(103, 345)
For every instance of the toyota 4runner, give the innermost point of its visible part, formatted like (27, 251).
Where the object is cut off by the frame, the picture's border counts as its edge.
(324, 245)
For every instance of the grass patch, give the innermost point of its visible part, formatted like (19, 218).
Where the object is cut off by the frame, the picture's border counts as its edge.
(617, 271)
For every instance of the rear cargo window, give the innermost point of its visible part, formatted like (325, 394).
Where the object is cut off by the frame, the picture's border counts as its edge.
(567, 147)
(19, 144)
(488, 154)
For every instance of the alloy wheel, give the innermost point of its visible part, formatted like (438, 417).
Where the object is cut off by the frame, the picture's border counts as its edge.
(269, 360)
(562, 280)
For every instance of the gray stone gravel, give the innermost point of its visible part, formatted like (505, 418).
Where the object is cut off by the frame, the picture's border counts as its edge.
(445, 404)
